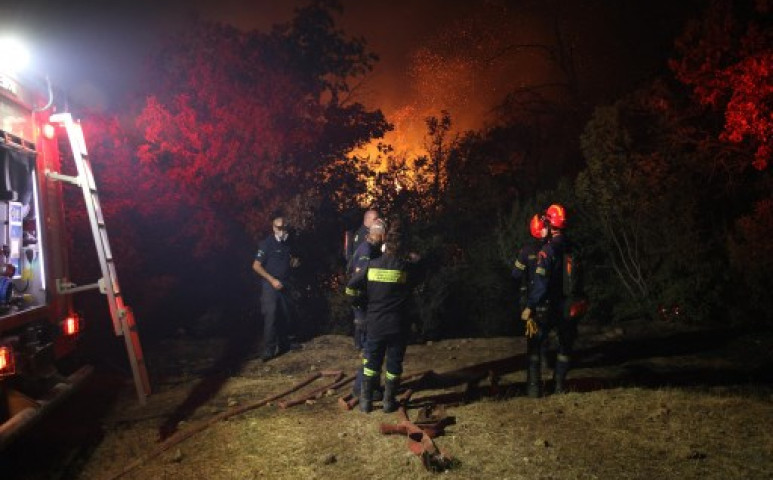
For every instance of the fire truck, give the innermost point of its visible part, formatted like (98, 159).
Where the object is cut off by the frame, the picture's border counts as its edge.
(39, 327)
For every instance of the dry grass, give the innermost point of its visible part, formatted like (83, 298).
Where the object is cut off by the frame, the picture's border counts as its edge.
(608, 433)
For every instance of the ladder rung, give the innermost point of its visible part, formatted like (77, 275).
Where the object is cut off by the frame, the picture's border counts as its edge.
(64, 178)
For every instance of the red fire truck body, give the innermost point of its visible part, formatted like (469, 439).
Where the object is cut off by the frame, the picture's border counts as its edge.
(38, 326)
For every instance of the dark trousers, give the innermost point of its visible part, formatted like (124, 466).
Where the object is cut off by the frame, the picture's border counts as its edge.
(393, 348)
(359, 328)
(277, 319)
(548, 319)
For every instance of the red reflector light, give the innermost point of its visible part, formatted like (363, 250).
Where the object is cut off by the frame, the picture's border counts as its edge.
(71, 325)
(48, 131)
(7, 365)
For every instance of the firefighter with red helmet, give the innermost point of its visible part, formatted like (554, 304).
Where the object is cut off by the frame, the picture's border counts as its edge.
(549, 303)
(526, 262)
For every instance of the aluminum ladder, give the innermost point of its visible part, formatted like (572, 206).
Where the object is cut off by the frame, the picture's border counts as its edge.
(122, 316)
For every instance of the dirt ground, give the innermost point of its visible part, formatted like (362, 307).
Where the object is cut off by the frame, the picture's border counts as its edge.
(654, 400)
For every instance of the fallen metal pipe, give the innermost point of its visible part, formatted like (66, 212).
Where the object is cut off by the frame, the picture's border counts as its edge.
(348, 402)
(318, 391)
(191, 431)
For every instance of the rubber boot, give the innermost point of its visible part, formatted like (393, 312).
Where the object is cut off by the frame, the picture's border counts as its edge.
(389, 404)
(559, 374)
(534, 377)
(378, 390)
(366, 393)
(357, 387)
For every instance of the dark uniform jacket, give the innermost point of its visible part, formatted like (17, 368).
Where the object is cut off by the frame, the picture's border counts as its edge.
(275, 258)
(359, 236)
(385, 284)
(549, 274)
(526, 263)
(364, 253)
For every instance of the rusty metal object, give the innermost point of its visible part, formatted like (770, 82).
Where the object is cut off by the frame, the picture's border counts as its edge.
(348, 402)
(420, 441)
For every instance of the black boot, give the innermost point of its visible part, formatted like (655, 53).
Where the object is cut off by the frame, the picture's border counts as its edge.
(559, 374)
(366, 393)
(534, 377)
(357, 387)
(378, 390)
(389, 403)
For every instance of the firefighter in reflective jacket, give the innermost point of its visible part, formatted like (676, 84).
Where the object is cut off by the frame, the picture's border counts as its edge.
(526, 262)
(384, 284)
(555, 284)
(368, 250)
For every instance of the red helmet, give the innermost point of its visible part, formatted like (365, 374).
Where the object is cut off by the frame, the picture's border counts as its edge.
(556, 216)
(537, 227)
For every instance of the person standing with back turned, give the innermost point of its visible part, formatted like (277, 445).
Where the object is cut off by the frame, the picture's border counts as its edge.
(550, 303)
(385, 285)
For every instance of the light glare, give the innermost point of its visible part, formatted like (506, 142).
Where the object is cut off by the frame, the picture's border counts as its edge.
(14, 57)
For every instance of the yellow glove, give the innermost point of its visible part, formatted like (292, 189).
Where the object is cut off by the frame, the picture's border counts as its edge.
(531, 325)
(531, 328)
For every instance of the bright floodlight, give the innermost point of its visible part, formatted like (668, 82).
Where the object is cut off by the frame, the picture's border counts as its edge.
(13, 55)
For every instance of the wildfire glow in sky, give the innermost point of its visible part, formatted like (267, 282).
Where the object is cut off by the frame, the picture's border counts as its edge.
(435, 55)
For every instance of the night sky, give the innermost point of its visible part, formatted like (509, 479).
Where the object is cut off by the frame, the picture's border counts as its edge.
(458, 56)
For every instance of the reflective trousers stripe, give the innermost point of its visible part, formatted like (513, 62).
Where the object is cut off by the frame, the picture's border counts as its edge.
(374, 373)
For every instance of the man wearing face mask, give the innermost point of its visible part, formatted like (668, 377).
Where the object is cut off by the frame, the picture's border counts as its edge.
(273, 263)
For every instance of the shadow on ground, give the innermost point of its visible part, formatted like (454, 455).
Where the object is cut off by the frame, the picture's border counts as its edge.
(239, 348)
(694, 359)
